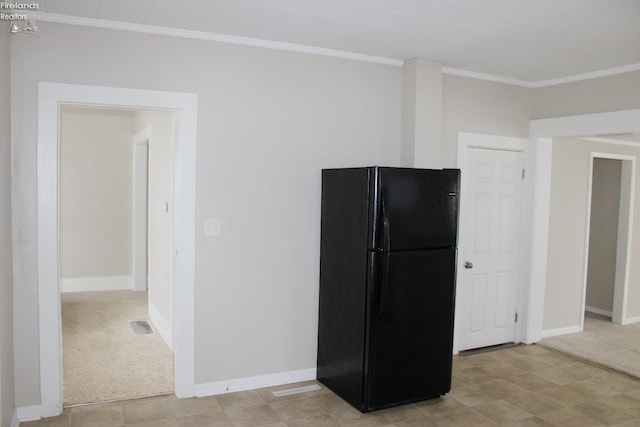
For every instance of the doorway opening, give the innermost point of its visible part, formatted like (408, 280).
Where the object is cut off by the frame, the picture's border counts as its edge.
(609, 234)
(184, 105)
(107, 179)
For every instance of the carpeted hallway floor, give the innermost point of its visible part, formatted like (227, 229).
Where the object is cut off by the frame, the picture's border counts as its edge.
(102, 358)
(603, 342)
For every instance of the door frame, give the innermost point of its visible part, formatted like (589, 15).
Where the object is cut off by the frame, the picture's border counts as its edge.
(624, 238)
(140, 141)
(50, 97)
(468, 141)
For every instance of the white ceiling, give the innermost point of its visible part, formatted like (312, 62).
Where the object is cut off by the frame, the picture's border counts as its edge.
(527, 40)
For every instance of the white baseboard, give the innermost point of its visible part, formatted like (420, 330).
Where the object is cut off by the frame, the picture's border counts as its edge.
(561, 331)
(14, 420)
(630, 320)
(161, 326)
(598, 311)
(251, 383)
(92, 284)
(28, 413)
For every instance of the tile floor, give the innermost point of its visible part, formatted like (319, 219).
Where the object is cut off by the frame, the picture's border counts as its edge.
(520, 386)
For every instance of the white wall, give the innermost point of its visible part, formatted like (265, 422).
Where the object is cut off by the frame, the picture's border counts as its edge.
(95, 195)
(268, 122)
(160, 207)
(603, 234)
(6, 281)
(567, 233)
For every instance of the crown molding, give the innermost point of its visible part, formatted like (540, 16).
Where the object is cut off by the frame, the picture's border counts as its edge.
(202, 35)
(488, 77)
(587, 76)
(293, 47)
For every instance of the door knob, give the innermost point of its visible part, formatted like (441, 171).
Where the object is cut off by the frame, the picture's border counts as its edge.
(468, 264)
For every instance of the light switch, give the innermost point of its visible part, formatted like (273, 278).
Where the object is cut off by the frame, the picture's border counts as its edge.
(212, 227)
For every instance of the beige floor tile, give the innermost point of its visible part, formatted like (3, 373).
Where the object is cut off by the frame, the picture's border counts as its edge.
(324, 420)
(240, 399)
(623, 402)
(145, 410)
(465, 417)
(534, 403)
(425, 421)
(209, 419)
(254, 415)
(529, 422)
(290, 409)
(487, 392)
(603, 413)
(196, 405)
(532, 382)
(592, 389)
(501, 411)
(568, 417)
(401, 413)
(167, 422)
(97, 416)
(563, 396)
(473, 376)
(439, 406)
(619, 382)
(332, 404)
(63, 420)
(490, 389)
(555, 358)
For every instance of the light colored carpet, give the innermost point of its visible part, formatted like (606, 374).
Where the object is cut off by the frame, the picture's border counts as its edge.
(603, 342)
(102, 358)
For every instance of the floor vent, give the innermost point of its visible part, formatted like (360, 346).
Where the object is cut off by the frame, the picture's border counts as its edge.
(140, 327)
(296, 390)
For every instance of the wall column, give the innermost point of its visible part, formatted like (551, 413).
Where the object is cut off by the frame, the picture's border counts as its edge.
(422, 113)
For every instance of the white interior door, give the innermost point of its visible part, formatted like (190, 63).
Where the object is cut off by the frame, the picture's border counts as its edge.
(487, 294)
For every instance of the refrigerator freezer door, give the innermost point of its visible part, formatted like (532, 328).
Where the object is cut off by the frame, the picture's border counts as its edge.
(411, 334)
(419, 208)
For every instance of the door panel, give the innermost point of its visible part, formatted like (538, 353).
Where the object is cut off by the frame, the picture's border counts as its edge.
(492, 185)
(410, 346)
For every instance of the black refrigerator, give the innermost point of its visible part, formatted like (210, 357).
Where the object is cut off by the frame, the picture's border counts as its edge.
(387, 284)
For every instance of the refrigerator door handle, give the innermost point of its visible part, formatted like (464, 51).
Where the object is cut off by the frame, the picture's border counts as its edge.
(386, 243)
(384, 283)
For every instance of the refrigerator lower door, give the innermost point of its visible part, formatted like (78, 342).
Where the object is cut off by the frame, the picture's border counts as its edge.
(411, 328)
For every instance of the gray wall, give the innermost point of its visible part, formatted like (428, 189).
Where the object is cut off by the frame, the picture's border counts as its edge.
(6, 282)
(472, 105)
(268, 121)
(160, 190)
(603, 234)
(95, 192)
(612, 93)
(567, 233)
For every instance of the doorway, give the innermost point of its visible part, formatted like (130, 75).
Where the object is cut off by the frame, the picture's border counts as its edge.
(609, 235)
(102, 188)
(50, 96)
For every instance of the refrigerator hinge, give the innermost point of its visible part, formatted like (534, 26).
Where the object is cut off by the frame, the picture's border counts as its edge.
(516, 318)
